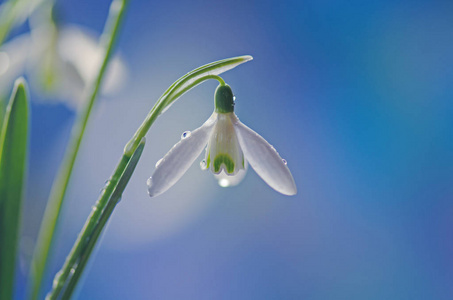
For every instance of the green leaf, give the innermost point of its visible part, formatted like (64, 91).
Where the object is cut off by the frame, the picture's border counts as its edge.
(13, 156)
(2, 112)
(66, 280)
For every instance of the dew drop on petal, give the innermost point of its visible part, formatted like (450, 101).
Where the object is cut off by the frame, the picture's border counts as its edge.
(224, 182)
(185, 134)
(203, 165)
(149, 184)
(284, 161)
(159, 162)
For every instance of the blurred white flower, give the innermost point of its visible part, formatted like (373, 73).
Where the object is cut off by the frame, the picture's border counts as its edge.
(59, 63)
(230, 144)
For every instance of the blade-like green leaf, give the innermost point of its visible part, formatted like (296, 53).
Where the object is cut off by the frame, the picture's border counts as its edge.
(2, 112)
(192, 79)
(13, 155)
(66, 280)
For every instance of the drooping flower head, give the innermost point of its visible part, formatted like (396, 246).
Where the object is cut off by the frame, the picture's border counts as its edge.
(230, 147)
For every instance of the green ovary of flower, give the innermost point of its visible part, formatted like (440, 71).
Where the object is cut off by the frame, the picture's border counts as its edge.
(224, 99)
(226, 160)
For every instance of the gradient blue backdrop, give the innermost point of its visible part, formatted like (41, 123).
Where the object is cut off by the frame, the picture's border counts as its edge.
(356, 95)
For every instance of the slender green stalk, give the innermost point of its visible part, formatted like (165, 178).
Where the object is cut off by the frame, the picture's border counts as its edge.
(66, 279)
(13, 161)
(52, 212)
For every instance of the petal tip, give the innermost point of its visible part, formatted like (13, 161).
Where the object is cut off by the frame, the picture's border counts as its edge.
(286, 189)
(291, 192)
(151, 188)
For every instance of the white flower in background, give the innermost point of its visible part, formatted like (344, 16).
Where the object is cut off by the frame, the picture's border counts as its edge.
(60, 63)
(230, 145)
(13, 56)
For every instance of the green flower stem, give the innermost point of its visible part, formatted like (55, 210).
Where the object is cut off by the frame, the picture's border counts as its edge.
(65, 281)
(53, 208)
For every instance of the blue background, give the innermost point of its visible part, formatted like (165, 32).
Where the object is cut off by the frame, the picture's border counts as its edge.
(355, 95)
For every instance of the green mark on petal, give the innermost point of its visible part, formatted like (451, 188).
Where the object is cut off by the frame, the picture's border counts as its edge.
(226, 160)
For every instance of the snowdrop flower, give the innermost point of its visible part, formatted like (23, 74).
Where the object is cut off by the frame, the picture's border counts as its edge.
(230, 145)
(61, 62)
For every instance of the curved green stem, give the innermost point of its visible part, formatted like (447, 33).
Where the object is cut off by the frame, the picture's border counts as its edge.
(59, 187)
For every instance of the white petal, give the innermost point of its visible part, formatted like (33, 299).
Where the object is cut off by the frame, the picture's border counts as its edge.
(265, 160)
(80, 47)
(178, 160)
(13, 58)
(224, 142)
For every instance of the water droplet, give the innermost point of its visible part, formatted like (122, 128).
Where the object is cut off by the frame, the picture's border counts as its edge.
(149, 182)
(224, 182)
(203, 165)
(284, 161)
(94, 208)
(159, 162)
(234, 98)
(72, 271)
(106, 184)
(185, 134)
(56, 281)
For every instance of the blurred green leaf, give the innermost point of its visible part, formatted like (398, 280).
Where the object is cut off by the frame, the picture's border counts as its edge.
(2, 112)
(56, 199)
(13, 155)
